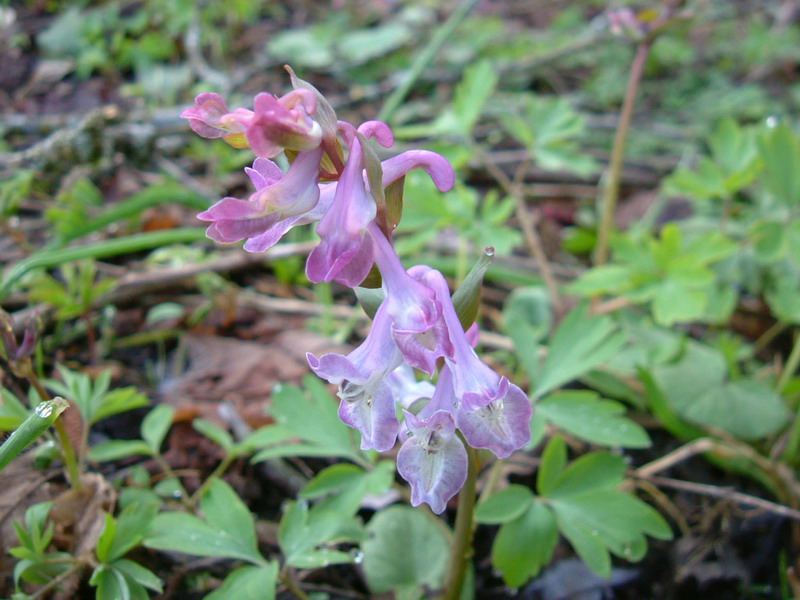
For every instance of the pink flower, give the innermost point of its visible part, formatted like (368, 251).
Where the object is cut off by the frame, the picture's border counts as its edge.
(283, 123)
(279, 197)
(210, 118)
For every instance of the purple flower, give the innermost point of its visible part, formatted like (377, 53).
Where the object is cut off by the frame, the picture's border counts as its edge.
(367, 401)
(278, 197)
(411, 304)
(343, 254)
(432, 459)
(407, 390)
(283, 123)
(490, 411)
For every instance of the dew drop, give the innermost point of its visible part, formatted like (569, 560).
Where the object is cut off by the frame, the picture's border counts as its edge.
(44, 410)
(772, 121)
(357, 556)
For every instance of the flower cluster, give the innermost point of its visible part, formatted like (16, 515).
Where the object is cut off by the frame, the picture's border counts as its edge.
(336, 180)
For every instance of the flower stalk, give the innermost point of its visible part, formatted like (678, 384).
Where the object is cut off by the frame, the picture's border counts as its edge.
(461, 549)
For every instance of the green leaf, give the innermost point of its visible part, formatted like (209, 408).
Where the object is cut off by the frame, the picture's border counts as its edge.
(784, 300)
(105, 539)
(746, 408)
(111, 584)
(129, 530)
(117, 449)
(472, 94)
(554, 459)
(216, 434)
(593, 471)
(302, 530)
(698, 370)
(580, 344)
(780, 154)
(388, 563)
(156, 425)
(117, 401)
(674, 303)
(225, 511)
(616, 520)
(181, 532)
(595, 419)
(325, 433)
(601, 280)
(523, 546)
(139, 574)
(527, 319)
(248, 583)
(12, 411)
(587, 544)
(363, 45)
(770, 240)
(504, 505)
(332, 479)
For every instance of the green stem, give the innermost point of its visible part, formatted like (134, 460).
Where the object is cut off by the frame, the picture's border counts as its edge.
(790, 367)
(608, 205)
(396, 98)
(67, 449)
(792, 449)
(218, 472)
(495, 473)
(461, 549)
(45, 414)
(291, 584)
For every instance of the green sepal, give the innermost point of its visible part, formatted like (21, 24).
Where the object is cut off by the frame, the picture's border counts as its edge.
(467, 297)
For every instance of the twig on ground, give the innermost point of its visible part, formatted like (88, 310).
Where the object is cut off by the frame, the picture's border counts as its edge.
(727, 493)
(513, 187)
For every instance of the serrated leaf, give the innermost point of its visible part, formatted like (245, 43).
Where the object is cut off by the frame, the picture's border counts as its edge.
(504, 505)
(523, 546)
(595, 419)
